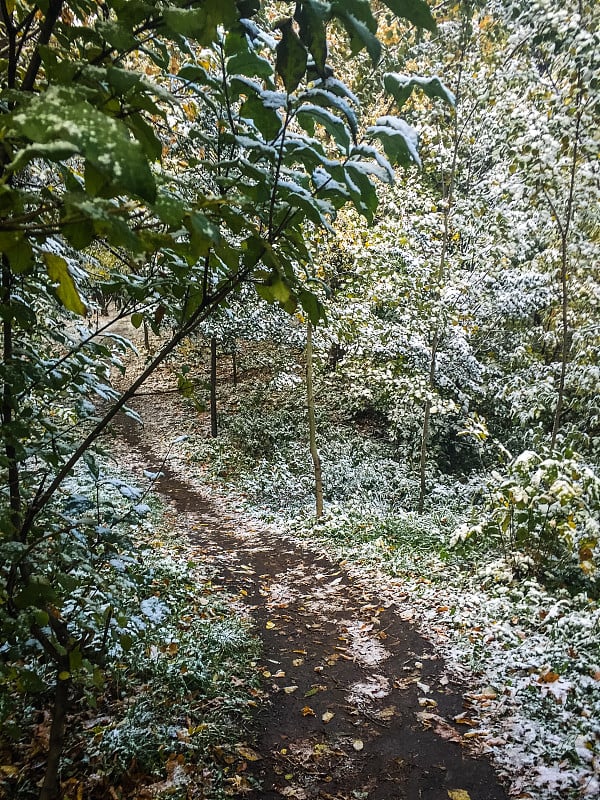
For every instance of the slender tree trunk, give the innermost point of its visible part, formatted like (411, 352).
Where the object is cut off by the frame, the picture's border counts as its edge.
(14, 480)
(213, 387)
(425, 427)
(564, 229)
(51, 786)
(312, 427)
(234, 367)
(566, 341)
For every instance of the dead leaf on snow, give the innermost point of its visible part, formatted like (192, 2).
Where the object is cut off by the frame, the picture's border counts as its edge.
(548, 677)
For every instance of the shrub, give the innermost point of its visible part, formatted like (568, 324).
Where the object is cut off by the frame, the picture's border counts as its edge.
(544, 513)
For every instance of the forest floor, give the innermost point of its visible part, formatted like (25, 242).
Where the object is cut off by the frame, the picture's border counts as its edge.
(357, 703)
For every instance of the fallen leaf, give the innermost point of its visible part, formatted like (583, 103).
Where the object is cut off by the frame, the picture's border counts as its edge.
(308, 712)
(458, 794)
(358, 745)
(386, 713)
(270, 625)
(327, 716)
(248, 753)
(290, 689)
(314, 689)
(298, 662)
(279, 674)
(548, 677)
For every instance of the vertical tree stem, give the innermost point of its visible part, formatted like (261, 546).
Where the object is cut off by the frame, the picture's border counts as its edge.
(213, 387)
(312, 426)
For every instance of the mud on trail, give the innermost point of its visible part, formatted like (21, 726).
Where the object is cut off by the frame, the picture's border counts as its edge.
(358, 704)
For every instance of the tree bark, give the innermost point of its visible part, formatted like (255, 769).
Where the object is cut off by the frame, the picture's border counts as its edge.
(51, 786)
(312, 426)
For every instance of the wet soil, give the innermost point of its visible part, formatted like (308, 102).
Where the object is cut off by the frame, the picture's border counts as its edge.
(359, 704)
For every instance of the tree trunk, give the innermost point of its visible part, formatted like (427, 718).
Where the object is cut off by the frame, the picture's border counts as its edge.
(10, 452)
(312, 427)
(51, 786)
(213, 387)
(423, 456)
(234, 367)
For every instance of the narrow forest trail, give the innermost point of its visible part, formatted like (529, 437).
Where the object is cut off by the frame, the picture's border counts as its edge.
(358, 704)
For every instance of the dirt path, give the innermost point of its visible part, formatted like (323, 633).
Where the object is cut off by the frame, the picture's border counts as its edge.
(359, 705)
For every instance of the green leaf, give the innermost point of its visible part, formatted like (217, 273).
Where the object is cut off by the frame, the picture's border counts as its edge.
(59, 117)
(361, 190)
(398, 138)
(37, 593)
(66, 291)
(137, 319)
(401, 87)
(291, 57)
(203, 233)
(201, 23)
(144, 133)
(312, 306)
(266, 119)
(415, 11)
(17, 249)
(310, 17)
(309, 114)
(117, 35)
(360, 25)
(249, 63)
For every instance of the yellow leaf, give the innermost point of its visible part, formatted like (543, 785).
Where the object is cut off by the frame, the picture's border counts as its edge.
(458, 794)
(248, 753)
(66, 291)
(64, 675)
(270, 625)
(8, 769)
(290, 689)
(308, 712)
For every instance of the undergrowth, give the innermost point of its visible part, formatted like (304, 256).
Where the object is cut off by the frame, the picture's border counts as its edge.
(174, 699)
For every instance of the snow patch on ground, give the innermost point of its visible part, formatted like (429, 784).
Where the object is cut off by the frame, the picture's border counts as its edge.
(366, 692)
(363, 646)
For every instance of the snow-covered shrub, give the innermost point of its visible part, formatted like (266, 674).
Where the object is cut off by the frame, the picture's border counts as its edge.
(544, 512)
